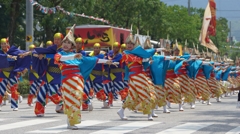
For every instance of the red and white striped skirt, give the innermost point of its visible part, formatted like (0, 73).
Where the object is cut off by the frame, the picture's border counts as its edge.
(72, 91)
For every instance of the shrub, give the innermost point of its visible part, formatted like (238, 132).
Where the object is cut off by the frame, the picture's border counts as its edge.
(23, 87)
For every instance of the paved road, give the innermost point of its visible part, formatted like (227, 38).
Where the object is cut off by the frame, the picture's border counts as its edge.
(218, 118)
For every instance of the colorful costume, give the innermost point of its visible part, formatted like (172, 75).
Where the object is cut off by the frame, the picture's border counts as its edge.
(73, 74)
(9, 74)
(115, 76)
(34, 79)
(139, 90)
(52, 81)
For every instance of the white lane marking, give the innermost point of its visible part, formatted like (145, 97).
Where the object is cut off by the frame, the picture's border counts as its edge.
(63, 128)
(186, 128)
(125, 128)
(234, 131)
(24, 124)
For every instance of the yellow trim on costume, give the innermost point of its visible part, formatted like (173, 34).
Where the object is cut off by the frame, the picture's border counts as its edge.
(112, 76)
(6, 74)
(91, 54)
(49, 77)
(92, 77)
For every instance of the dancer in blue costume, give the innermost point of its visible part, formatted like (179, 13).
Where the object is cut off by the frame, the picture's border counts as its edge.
(140, 96)
(98, 75)
(51, 78)
(10, 71)
(5, 59)
(115, 82)
(34, 79)
(123, 93)
(88, 87)
(75, 69)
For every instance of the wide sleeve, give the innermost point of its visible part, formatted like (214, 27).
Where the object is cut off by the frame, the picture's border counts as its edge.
(117, 58)
(22, 63)
(86, 66)
(140, 52)
(178, 66)
(3, 61)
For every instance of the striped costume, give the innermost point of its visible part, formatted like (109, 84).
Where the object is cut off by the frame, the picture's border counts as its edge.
(73, 74)
(158, 71)
(172, 85)
(51, 80)
(140, 96)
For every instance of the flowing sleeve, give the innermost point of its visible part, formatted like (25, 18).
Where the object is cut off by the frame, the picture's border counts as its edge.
(86, 66)
(140, 52)
(151, 51)
(159, 69)
(207, 69)
(196, 65)
(3, 61)
(22, 63)
(178, 66)
(117, 58)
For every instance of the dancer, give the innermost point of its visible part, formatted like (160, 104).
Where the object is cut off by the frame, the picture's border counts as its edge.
(75, 68)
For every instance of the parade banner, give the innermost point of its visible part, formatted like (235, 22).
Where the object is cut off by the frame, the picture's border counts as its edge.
(209, 26)
(51, 10)
(105, 35)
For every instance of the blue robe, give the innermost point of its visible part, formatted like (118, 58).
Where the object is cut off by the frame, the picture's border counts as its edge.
(225, 74)
(114, 76)
(140, 52)
(50, 76)
(86, 64)
(97, 78)
(207, 69)
(159, 69)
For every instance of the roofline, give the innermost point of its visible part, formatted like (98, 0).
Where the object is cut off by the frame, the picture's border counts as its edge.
(98, 26)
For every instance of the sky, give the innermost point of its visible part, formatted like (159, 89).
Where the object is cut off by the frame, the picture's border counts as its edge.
(229, 9)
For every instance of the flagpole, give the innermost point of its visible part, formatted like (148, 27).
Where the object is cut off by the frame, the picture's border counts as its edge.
(29, 24)
(189, 5)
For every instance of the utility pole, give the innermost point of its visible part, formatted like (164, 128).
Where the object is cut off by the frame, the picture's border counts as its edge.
(230, 34)
(29, 24)
(189, 5)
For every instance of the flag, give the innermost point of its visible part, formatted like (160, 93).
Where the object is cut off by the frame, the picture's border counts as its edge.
(209, 26)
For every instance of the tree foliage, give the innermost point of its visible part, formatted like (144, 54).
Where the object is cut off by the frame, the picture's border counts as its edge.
(154, 16)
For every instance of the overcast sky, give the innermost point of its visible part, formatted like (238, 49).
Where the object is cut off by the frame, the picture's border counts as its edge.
(229, 9)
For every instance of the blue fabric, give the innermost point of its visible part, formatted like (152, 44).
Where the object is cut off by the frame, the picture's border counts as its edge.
(50, 56)
(207, 69)
(22, 63)
(186, 57)
(126, 73)
(159, 69)
(49, 50)
(86, 64)
(81, 52)
(171, 65)
(140, 52)
(225, 74)
(151, 51)
(195, 66)
(178, 66)
(189, 68)
(3, 60)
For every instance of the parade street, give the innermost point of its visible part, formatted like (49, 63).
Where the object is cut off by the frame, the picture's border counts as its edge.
(218, 118)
